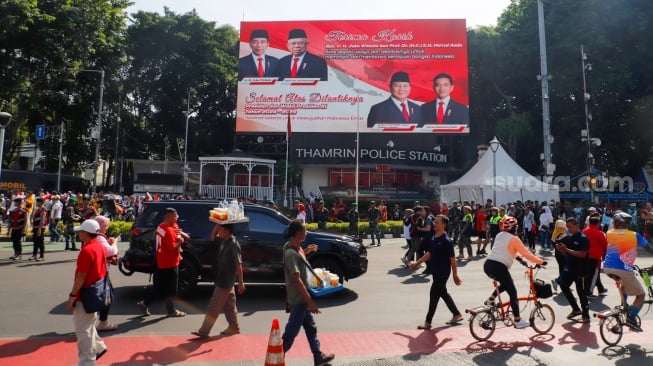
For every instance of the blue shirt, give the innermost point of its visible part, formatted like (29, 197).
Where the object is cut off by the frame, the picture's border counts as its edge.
(441, 250)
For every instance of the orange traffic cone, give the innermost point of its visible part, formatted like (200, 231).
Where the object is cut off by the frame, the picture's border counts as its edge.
(274, 356)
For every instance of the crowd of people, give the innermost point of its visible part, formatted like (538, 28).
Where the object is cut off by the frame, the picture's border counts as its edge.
(583, 240)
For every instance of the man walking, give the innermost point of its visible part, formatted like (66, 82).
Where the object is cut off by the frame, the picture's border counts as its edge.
(442, 265)
(575, 248)
(374, 215)
(91, 267)
(168, 256)
(17, 223)
(55, 216)
(597, 249)
(300, 304)
(38, 229)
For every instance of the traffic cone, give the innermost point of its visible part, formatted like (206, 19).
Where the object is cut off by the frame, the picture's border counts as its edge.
(274, 356)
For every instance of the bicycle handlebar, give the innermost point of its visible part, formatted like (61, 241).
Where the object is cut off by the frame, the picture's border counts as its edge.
(525, 264)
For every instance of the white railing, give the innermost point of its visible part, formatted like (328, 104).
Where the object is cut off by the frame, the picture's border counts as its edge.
(218, 191)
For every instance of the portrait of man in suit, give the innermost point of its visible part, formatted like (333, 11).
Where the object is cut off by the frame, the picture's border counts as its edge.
(396, 109)
(443, 109)
(300, 63)
(257, 63)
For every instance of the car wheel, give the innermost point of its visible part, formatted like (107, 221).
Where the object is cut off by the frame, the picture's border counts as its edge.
(187, 279)
(330, 265)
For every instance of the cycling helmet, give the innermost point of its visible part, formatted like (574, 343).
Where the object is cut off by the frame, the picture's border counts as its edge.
(507, 223)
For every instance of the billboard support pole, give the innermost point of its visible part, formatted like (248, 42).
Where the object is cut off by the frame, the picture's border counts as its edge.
(285, 182)
(358, 115)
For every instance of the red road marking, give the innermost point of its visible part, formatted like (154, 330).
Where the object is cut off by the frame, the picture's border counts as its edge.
(148, 349)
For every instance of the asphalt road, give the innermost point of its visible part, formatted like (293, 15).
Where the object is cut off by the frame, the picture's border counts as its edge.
(383, 305)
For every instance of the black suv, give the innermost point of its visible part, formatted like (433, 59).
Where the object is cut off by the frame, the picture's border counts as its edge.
(261, 242)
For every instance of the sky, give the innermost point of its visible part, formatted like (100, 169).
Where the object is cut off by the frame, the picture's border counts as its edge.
(477, 12)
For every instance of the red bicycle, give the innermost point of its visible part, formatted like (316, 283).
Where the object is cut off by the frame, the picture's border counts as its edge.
(483, 321)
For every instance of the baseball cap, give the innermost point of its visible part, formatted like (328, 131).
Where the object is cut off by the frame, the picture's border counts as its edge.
(90, 226)
(621, 216)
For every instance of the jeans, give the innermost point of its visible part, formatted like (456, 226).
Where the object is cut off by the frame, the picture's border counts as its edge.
(89, 344)
(544, 238)
(301, 317)
(439, 290)
(54, 230)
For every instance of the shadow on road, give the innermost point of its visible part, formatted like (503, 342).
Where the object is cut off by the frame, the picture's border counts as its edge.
(33, 343)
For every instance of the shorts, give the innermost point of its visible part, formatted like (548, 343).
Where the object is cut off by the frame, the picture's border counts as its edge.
(481, 234)
(629, 283)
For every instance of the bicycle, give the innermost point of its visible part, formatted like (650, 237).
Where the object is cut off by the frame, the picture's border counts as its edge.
(645, 274)
(612, 321)
(482, 323)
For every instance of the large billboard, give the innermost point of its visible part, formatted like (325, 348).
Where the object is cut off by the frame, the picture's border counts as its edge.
(366, 76)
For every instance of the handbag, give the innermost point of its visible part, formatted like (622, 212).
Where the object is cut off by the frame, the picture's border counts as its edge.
(97, 296)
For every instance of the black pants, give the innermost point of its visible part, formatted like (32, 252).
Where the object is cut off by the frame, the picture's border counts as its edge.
(439, 290)
(499, 272)
(165, 285)
(530, 238)
(38, 242)
(569, 277)
(16, 237)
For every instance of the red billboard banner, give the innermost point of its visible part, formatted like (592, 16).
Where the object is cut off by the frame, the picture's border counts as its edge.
(370, 76)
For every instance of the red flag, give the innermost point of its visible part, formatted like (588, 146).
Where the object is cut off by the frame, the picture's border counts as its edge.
(288, 129)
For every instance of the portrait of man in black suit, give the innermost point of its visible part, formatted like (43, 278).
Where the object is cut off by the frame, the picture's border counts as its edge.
(396, 109)
(300, 63)
(257, 63)
(443, 109)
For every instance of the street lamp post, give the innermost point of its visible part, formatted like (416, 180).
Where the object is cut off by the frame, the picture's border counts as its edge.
(99, 124)
(188, 115)
(5, 119)
(494, 146)
(586, 135)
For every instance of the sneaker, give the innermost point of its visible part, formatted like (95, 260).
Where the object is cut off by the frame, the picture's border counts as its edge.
(574, 314)
(146, 311)
(489, 303)
(40, 259)
(592, 296)
(632, 324)
(603, 293)
(16, 257)
(460, 257)
(230, 331)
(424, 326)
(325, 359)
(31, 258)
(522, 323)
(583, 320)
(554, 284)
(455, 319)
(405, 261)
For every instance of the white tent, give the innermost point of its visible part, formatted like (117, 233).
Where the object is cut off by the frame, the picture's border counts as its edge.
(512, 183)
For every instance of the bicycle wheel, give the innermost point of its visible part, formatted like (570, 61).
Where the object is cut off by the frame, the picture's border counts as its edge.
(611, 330)
(482, 325)
(542, 318)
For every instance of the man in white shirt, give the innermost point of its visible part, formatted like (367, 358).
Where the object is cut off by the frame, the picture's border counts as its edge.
(55, 217)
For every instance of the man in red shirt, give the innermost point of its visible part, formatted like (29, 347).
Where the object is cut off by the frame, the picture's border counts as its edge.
(598, 246)
(168, 255)
(91, 267)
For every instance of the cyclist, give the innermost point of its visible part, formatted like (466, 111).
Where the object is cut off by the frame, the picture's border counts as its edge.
(497, 266)
(619, 260)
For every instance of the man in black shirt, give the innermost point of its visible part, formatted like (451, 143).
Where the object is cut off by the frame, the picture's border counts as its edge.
(442, 263)
(575, 247)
